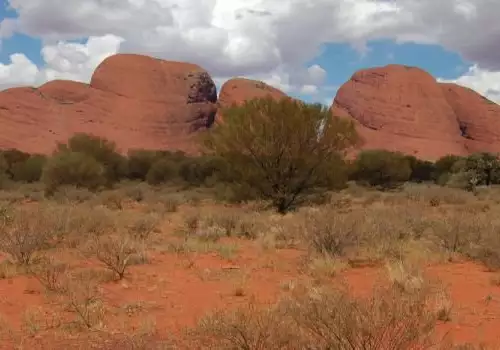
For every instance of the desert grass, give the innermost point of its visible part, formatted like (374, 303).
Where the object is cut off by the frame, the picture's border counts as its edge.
(401, 231)
(324, 318)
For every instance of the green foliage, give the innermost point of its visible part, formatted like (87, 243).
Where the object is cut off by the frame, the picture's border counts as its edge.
(478, 169)
(11, 158)
(3, 164)
(3, 171)
(381, 168)
(73, 168)
(139, 163)
(286, 150)
(29, 170)
(204, 170)
(102, 150)
(444, 167)
(162, 171)
(421, 170)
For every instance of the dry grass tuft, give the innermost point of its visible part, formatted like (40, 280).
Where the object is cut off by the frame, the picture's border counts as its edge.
(324, 319)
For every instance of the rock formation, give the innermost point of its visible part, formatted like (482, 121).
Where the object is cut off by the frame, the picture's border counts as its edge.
(405, 109)
(143, 102)
(238, 90)
(133, 100)
(478, 118)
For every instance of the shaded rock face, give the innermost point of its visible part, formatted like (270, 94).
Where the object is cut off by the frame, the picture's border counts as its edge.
(404, 109)
(238, 90)
(478, 118)
(133, 100)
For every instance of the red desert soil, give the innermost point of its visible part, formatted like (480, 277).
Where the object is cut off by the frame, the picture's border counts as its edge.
(173, 291)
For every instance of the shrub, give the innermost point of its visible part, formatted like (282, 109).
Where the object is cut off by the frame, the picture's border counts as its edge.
(24, 234)
(73, 168)
(115, 252)
(444, 167)
(205, 170)
(13, 156)
(323, 319)
(3, 171)
(102, 150)
(421, 170)
(162, 171)
(286, 150)
(30, 170)
(381, 168)
(485, 166)
(139, 163)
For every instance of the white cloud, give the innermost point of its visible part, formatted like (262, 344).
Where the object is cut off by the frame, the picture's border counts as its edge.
(483, 81)
(75, 61)
(269, 39)
(20, 71)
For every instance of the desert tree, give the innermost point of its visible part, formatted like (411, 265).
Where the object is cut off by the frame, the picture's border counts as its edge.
(285, 150)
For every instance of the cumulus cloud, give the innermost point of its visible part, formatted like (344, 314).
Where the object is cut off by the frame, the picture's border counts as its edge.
(76, 61)
(269, 39)
(483, 81)
(18, 72)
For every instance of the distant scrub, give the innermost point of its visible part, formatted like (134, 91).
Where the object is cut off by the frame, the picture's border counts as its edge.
(380, 168)
(73, 168)
(283, 151)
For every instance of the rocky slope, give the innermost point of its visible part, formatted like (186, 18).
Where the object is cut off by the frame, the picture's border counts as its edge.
(136, 101)
(405, 109)
(237, 90)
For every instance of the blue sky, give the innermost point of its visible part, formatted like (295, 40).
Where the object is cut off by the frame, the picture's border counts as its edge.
(122, 26)
(342, 60)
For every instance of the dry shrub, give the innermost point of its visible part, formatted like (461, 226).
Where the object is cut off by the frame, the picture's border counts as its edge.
(248, 328)
(85, 222)
(390, 319)
(51, 274)
(143, 226)
(424, 194)
(115, 251)
(226, 222)
(66, 194)
(81, 295)
(333, 235)
(27, 231)
(113, 200)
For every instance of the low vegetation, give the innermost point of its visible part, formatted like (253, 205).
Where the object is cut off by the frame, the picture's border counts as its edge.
(85, 222)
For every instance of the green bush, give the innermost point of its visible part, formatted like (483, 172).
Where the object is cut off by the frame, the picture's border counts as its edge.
(139, 163)
(29, 170)
(102, 150)
(478, 169)
(73, 168)
(162, 171)
(284, 150)
(444, 167)
(12, 157)
(3, 171)
(381, 168)
(421, 170)
(204, 170)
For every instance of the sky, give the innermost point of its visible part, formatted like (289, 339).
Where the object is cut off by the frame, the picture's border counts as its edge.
(307, 48)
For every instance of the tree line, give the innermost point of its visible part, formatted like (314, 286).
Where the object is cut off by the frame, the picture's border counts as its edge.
(286, 152)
